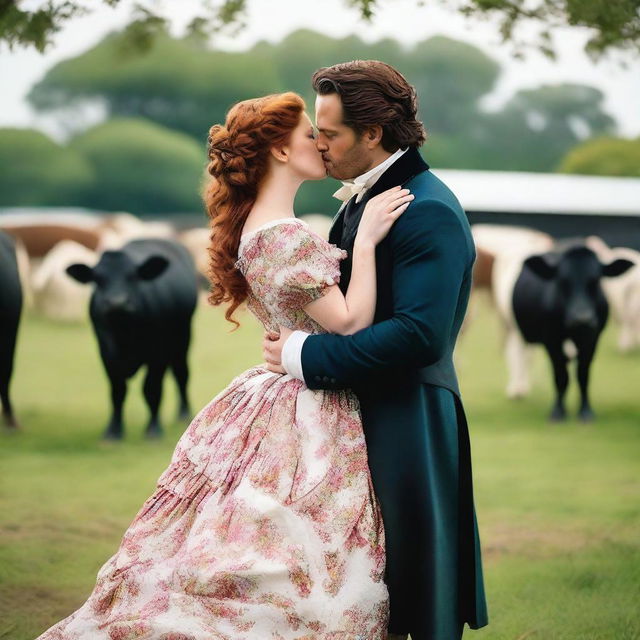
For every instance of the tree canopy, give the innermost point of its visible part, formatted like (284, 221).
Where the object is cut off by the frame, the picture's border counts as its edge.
(184, 86)
(613, 24)
(38, 171)
(536, 128)
(142, 167)
(150, 154)
(605, 156)
(175, 83)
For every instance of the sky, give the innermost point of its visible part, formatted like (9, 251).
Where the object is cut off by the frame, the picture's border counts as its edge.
(403, 20)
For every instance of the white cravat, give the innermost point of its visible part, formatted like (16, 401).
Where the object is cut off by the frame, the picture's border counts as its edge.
(292, 348)
(360, 184)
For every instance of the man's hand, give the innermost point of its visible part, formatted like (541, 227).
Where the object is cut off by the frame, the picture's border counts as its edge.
(272, 344)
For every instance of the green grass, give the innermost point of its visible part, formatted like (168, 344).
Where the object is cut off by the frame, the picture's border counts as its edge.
(558, 505)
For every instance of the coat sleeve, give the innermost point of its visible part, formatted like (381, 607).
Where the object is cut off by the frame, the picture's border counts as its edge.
(430, 255)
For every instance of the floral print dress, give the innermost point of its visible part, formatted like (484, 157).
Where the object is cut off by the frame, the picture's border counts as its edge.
(265, 525)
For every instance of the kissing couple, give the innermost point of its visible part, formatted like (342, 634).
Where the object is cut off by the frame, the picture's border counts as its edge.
(326, 494)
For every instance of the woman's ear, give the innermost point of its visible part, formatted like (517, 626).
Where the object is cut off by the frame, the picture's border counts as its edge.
(373, 136)
(281, 154)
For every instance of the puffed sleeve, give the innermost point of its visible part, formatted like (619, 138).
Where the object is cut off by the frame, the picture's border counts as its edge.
(291, 265)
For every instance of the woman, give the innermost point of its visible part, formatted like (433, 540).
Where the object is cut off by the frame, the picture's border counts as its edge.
(265, 524)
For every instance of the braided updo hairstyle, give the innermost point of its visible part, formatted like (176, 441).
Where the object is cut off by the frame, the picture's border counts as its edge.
(238, 162)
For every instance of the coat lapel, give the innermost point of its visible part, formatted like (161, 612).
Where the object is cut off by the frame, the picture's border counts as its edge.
(335, 231)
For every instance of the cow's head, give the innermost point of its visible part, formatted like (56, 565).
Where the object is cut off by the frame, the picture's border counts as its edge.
(576, 274)
(117, 279)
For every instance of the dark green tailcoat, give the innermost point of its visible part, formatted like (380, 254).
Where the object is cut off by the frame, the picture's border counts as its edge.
(402, 371)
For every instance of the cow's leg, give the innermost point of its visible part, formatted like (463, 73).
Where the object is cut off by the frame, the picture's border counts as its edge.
(629, 337)
(7, 409)
(180, 369)
(114, 430)
(6, 369)
(561, 377)
(518, 356)
(585, 357)
(635, 331)
(626, 337)
(153, 395)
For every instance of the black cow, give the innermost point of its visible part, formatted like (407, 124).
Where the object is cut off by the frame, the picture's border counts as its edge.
(141, 309)
(558, 297)
(10, 309)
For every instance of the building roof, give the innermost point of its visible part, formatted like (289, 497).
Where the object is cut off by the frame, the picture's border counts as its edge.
(519, 192)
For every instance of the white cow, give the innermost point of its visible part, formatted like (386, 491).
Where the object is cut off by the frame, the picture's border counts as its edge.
(57, 295)
(511, 246)
(623, 292)
(197, 242)
(497, 239)
(318, 223)
(120, 228)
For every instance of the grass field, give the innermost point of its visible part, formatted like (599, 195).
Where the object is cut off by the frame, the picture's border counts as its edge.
(558, 505)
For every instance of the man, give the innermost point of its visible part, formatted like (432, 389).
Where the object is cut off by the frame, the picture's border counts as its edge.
(401, 367)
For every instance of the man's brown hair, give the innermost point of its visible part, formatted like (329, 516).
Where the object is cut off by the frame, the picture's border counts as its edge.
(374, 93)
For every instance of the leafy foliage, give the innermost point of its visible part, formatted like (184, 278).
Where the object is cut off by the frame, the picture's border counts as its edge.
(142, 167)
(450, 77)
(181, 85)
(535, 129)
(37, 171)
(604, 156)
(175, 83)
(34, 27)
(613, 24)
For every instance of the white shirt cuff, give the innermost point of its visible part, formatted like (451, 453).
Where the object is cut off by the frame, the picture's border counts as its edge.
(292, 354)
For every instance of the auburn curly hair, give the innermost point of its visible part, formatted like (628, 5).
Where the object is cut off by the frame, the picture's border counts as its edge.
(238, 162)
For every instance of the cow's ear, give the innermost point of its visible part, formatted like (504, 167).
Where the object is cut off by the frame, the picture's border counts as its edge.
(543, 266)
(80, 272)
(617, 267)
(152, 267)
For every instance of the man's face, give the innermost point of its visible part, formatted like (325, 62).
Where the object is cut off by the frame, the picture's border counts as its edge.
(344, 152)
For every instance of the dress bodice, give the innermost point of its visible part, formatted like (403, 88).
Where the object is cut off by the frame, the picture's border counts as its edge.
(287, 266)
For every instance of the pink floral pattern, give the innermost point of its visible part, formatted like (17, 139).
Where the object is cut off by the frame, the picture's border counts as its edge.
(265, 525)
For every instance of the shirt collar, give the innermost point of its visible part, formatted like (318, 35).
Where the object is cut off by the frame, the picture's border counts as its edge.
(368, 179)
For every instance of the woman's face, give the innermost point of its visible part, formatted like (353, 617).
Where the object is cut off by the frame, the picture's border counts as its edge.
(304, 158)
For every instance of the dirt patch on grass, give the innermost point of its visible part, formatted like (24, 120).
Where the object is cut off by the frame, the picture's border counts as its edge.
(539, 542)
(54, 531)
(31, 608)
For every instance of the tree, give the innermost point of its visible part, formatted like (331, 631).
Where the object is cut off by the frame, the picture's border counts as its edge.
(450, 78)
(183, 86)
(179, 84)
(613, 23)
(303, 51)
(142, 167)
(176, 83)
(537, 127)
(36, 171)
(604, 156)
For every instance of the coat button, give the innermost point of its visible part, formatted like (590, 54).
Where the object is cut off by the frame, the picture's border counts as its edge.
(325, 378)
(317, 378)
(333, 381)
